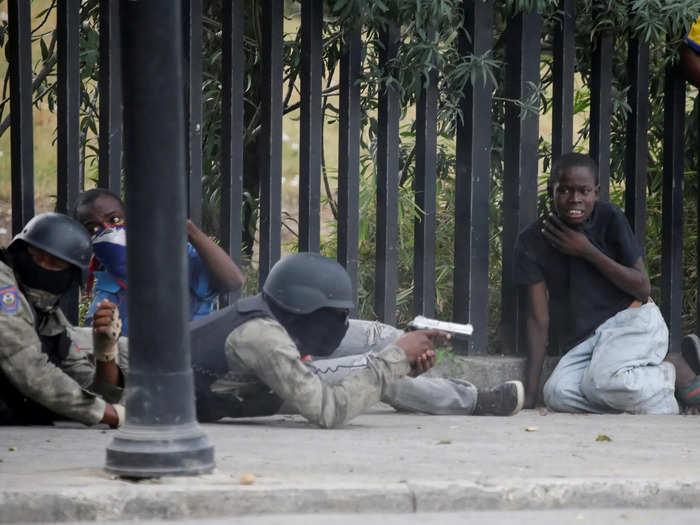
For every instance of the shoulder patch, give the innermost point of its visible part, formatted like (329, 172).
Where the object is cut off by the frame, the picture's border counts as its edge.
(9, 299)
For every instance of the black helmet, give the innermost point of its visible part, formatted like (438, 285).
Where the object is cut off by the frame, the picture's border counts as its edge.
(304, 282)
(61, 236)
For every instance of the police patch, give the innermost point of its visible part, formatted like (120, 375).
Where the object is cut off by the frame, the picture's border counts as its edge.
(9, 299)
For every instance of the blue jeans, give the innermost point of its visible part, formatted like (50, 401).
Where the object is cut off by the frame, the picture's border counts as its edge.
(620, 368)
(430, 395)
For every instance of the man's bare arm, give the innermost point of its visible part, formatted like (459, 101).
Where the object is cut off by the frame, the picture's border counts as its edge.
(225, 273)
(690, 65)
(633, 280)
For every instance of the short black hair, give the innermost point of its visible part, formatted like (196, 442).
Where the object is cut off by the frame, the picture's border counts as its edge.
(570, 160)
(89, 196)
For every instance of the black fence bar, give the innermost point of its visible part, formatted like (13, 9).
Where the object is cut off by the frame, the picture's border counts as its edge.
(68, 105)
(349, 155)
(232, 128)
(636, 149)
(21, 121)
(672, 207)
(601, 89)
(193, 103)
(310, 126)
(472, 185)
(269, 140)
(424, 189)
(563, 68)
(389, 113)
(161, 435)
(697, 238)
(68, 122)
(520, 162)
(110, 87)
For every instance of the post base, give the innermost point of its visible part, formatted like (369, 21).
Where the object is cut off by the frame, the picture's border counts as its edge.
(151, 451)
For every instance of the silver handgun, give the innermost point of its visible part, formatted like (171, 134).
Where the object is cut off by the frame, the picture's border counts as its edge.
(457, 330)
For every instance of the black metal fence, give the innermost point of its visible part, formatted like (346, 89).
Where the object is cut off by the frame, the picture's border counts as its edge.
(471, 220)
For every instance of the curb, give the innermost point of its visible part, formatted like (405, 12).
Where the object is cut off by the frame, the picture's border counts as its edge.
(181, 500)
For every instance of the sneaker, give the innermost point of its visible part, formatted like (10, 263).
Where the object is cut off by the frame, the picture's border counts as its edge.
(690, 393)
(690, 348)
(503, 400)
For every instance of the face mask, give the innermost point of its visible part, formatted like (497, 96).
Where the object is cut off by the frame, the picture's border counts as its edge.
(109, 246)
(318, 333)
(31, 275)
(41, 299)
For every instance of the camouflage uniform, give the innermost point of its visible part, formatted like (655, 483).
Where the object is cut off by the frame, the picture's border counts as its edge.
(67, 390)
(263, 360)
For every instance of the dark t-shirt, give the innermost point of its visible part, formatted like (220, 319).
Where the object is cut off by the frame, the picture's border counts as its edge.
(580, 297)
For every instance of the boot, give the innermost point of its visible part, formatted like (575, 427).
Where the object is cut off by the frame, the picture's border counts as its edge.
(690, 348)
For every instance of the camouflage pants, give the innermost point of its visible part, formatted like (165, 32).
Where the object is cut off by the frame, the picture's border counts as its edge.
(430, 395)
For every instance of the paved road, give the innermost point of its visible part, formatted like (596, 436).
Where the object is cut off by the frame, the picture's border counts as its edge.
(625, 516)
(382, 462)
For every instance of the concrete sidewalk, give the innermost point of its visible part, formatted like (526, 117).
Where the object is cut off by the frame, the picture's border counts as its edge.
(382, 462)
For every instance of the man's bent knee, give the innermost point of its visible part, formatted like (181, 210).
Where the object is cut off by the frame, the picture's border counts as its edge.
(558, 396)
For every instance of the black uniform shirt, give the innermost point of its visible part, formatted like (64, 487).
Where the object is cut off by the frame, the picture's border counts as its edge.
(580, 297)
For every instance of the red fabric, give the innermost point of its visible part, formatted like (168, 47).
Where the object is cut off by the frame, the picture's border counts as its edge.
(92, 267)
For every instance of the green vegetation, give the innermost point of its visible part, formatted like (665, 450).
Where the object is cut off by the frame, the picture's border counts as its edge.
(430, 32)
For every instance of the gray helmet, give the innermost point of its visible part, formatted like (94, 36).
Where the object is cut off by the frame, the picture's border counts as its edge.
(61, 236)
(304, 282)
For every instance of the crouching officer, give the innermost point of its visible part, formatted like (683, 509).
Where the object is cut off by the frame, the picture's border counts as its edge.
(44, 375)
(302, 311)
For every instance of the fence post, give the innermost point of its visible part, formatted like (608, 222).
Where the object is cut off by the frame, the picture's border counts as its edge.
(672, 206)
(68, 177)
(424, 190)
(269, 141)
(389, 113)
(193, 88)
(22, 128)
(232, 128)
(520, 162)
(311, 126)
(472, 185)
(636, 149)
(110, 87)
(601, 89)
(564, 52)
(697, 239)
(349, 155)
(161, 435)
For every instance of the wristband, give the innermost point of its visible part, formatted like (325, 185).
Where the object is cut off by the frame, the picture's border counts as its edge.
(105, 343)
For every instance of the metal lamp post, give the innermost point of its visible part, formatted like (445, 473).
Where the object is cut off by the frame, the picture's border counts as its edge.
(161, 435)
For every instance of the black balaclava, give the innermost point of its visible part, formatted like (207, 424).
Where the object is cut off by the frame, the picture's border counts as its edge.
(318, 333)
(34, 276)
(43, 288)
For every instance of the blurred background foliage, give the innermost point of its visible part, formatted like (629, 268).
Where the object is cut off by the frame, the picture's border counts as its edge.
(430, 34)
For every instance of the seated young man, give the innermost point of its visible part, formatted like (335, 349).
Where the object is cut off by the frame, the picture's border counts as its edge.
(280, 350)
(211, 270)
(588, 290)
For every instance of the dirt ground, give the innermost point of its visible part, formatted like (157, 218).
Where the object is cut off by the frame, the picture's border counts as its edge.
(42, 205)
